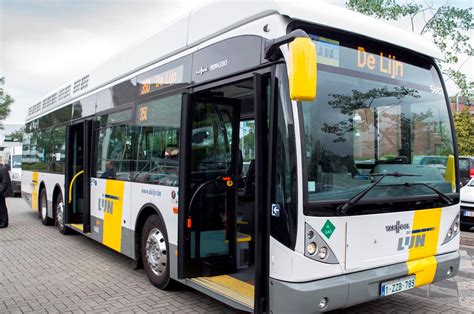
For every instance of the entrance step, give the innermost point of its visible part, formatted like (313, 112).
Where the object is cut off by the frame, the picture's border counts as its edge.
(77, 227)
(229, 287)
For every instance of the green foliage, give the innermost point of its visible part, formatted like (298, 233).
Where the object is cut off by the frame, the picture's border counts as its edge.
(464, 125)
(448, 26)
(383, 9)
(17, 136)
(5, 102)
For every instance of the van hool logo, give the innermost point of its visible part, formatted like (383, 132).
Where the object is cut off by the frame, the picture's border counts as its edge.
(397, 227)
(106, 203)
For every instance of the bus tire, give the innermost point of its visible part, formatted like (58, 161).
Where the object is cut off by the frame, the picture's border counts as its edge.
(43, 208)
(59, 215)
(154, 250)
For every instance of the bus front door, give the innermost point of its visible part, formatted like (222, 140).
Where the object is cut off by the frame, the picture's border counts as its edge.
(77, 188)
(209, 168)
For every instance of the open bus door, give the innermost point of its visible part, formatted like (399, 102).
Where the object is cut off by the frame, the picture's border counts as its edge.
(207, 215)
(207, 175)
(78, 173)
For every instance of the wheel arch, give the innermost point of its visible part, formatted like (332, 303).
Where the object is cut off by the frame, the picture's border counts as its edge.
(146, 211)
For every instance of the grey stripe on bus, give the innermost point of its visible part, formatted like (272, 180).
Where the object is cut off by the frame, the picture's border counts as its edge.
(127, 244)
(173, 261)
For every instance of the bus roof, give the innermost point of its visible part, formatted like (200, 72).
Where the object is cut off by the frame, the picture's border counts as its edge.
(217, 18)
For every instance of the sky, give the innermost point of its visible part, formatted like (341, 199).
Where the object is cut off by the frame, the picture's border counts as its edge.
(46, 43)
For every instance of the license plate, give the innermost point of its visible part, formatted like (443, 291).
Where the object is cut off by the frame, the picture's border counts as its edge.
(468, 213)
(397, 285)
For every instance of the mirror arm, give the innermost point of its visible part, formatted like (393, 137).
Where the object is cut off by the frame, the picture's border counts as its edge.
(272, 45)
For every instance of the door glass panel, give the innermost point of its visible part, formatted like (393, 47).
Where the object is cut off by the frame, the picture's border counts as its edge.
(212, 132)
(77, 138)
(247, 143)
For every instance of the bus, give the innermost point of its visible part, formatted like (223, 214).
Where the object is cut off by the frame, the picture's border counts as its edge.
(260, 154)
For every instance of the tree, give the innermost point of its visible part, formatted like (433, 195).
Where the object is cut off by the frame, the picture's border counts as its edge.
(17, 136)
(348, 104)
(5, 102)
(447, 25)
(465, 132)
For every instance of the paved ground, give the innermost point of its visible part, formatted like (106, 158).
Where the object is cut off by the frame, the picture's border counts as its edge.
(44, 271)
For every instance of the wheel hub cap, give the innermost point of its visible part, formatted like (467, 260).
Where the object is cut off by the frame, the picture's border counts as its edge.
(59, 214)
(43, 211)
(156, 253)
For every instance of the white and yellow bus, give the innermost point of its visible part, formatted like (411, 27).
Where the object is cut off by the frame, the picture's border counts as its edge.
(261, 154)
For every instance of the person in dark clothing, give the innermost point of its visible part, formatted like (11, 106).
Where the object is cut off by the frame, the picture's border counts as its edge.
(6, 190)
(109, 170)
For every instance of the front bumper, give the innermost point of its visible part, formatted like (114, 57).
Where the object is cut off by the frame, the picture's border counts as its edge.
(347, 290)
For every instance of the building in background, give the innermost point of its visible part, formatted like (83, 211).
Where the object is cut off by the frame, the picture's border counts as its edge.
(459, 103)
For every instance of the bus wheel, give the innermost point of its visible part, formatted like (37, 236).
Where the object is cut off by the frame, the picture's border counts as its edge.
(43, 205)
(154, 251)
(59, 215)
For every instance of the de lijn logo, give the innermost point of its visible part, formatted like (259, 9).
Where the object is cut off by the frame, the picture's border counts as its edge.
(106, 203)
(416, 239)
(328, 229)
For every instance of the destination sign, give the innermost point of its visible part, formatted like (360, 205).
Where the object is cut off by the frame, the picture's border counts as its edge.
(373, 60)
(161, 80)
(383, 63)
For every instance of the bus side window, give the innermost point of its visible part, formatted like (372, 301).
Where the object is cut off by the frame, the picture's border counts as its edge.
(158, 126)
(114, 152)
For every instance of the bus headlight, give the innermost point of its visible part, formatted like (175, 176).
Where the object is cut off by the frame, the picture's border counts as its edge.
(453, 229)
(16, 176)
(317, 248)
(311, 248)
(323, 252)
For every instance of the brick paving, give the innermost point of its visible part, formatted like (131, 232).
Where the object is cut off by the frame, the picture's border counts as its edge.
(46, 272)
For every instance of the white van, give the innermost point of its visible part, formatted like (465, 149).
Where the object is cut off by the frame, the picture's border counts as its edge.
(15, 168)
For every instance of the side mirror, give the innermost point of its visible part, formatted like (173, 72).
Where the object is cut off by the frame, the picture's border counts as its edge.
(450, 174)
(302, 74)
(301, 63)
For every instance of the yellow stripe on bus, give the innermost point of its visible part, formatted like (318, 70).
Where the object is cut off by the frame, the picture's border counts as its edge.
(424, 239)
(112, 229)
(34, 193)
(424, 269)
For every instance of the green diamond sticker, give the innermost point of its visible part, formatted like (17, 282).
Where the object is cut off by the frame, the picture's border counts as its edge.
(328, 229)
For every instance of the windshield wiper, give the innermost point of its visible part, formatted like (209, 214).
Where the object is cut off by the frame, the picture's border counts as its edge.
(342, 210)
(442, 195)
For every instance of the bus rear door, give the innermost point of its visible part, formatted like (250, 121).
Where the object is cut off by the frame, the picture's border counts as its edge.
(78, 165)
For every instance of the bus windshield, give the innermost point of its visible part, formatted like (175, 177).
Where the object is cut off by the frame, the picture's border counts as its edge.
(16, 161)
(378, 110)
